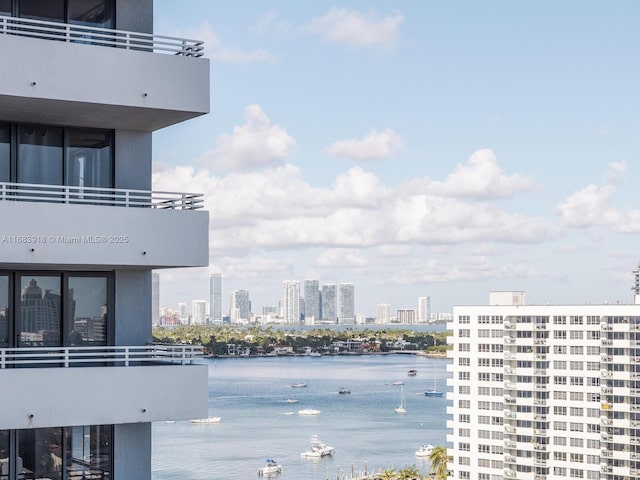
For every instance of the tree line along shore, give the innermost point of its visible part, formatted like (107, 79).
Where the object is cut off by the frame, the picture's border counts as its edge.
(227, 340)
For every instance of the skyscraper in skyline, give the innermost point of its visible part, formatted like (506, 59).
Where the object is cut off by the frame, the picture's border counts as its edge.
(383, 313)
(291, 301)
(423, 309)
(198, 312)
(346, 303)
(311, 300)
(239, 305)
(329, 305)
(215, 298)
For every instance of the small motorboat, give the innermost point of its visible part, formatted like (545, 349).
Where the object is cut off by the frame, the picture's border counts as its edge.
(298, 385)
(317, 449)
(308, 411)
(412, 372)
(206, 420)
(424, 450)
(270, 468)
(399, 382)
(292, 400)
(344, 391)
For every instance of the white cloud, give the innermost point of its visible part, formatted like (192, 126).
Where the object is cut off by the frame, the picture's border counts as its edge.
(277, 209)
(481, 177)
(373, 146)
(358, 29)
(592, 206)
(216, 50)
(255, 144)
(472, 268)
(341, 258)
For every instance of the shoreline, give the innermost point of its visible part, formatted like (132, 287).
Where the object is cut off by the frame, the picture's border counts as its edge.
(342, 354)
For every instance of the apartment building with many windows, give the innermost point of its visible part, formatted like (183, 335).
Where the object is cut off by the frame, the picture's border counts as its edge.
(84, 84)
(544, 392)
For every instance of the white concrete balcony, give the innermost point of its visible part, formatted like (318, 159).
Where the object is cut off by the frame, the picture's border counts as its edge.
(75, 75)
(66, 226)
(101, 385)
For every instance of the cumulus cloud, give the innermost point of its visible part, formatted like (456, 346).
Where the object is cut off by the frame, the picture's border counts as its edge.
(217, 51)
(254, 144)
(481, 177)
(276, 209)
(593, 205)
(358, 29)
(341, 258)
(373, 146)
(472, 268)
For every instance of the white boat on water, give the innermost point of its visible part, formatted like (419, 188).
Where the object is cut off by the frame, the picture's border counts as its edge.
(292, 400)
(424, 450)
(206, 420)
(308, 411)
(298, 385)
(401, 408)
(317, 449)
(272, 467)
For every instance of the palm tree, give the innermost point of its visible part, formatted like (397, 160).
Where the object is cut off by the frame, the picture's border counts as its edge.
(388, 474)
(438, 459)
(410, 473)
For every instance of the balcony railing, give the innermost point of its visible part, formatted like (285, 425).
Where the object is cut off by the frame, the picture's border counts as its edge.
(122, 356)
(29, 192)
(101, 36)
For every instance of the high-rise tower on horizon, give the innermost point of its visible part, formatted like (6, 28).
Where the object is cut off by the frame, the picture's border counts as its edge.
(291, 301)
(311, 301)
(329, 297)
(84, 85)
(215, 298)
(346, 303)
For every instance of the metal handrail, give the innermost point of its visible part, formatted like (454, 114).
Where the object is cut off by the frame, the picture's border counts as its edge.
(114, 356)
(117, 197)
(105, 37)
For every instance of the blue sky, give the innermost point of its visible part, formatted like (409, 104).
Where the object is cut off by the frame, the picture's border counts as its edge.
(412, 148)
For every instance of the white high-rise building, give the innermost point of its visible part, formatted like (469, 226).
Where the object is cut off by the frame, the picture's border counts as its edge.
(291, 301)
(328, 298)
(346, 303)
(198, 312)
(544, 392)
(311, 301)
(84, 85)
(406, 316)
(182, 312)
(215, 298)
(423, 309)
(239, 305)
(383, 313)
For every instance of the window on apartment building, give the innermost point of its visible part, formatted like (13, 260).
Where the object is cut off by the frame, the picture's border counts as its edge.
(593, 335)
(64, 452)
(484, 462)
(5, 148)
(464, 475)
(576, 334)
(577, 396)
(94, 13)
(576, 365)
(54, 309)
(576, 442)
(50, 155)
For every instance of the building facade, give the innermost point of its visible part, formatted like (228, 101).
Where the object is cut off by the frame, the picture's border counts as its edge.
(406, 316)
(329, 299)
(240, 305)
(198, 312)
(215, 300)
(544, 392)
(291, 301)
(383, 313)
(84, 84)
(311, 301)
(346, 303)
(155, 298)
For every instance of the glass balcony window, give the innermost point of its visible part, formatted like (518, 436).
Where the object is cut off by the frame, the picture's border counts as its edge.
(91, 13)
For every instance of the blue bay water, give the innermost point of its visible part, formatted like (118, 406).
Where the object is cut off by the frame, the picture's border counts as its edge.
(250, 394)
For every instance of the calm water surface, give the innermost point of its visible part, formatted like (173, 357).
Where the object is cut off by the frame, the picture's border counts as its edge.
(257, 423)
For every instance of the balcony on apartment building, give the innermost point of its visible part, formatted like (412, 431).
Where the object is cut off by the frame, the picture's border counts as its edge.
(71, 74)
(52, 386)
(65, 226)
